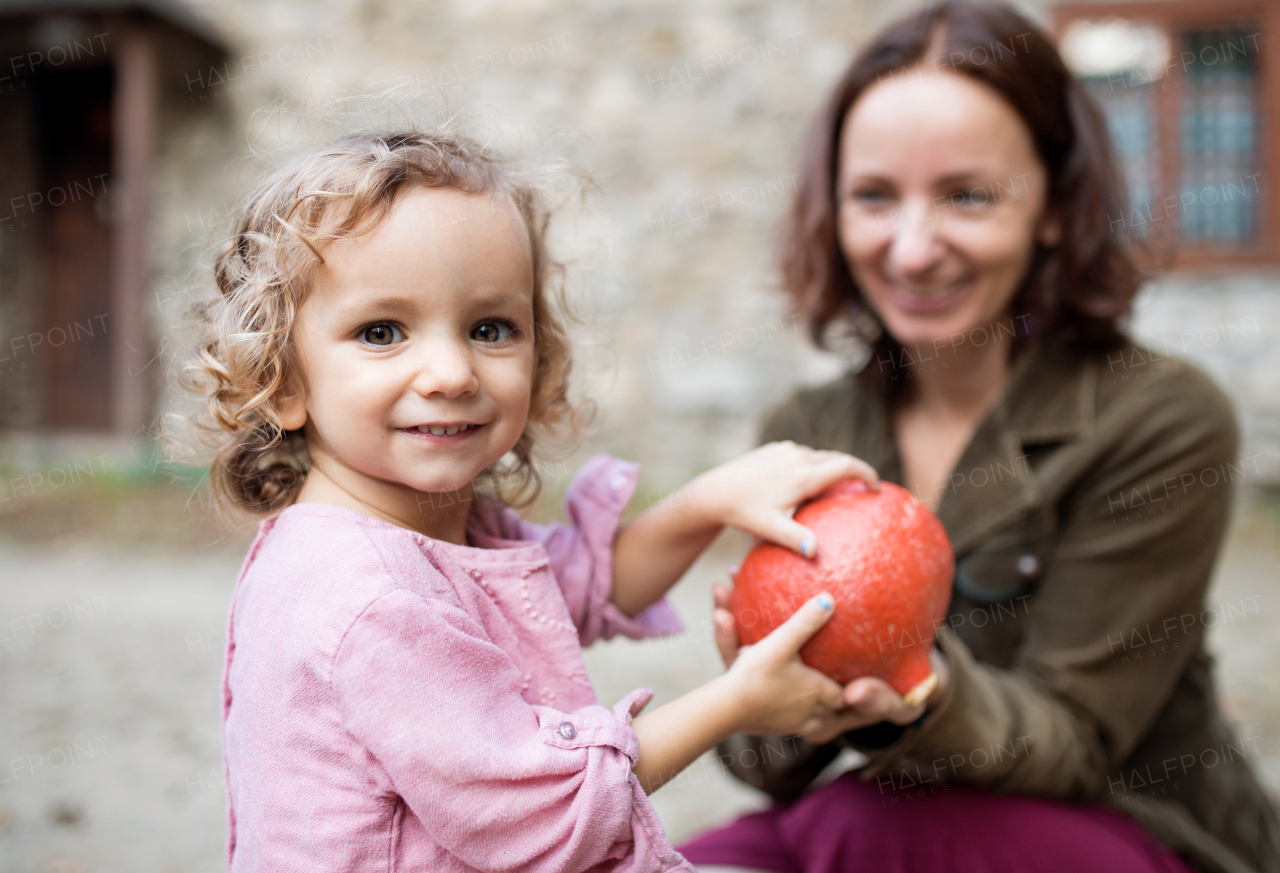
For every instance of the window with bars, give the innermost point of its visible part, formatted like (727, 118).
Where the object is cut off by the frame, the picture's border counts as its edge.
(1190, 93)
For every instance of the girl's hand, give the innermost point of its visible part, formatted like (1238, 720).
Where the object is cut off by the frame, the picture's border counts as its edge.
(768, 689)
(866, 701)
(778, 693)
(758, 491)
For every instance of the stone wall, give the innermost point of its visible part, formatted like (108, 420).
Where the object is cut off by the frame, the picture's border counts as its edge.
(1227, 325)
(689, 115)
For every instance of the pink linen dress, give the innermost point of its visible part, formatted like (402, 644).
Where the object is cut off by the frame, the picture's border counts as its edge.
(393, 702)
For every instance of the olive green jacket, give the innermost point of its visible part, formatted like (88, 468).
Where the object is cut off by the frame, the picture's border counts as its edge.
(1086, 516)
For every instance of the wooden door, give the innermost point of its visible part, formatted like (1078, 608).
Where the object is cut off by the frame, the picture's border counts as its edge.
(74, 124)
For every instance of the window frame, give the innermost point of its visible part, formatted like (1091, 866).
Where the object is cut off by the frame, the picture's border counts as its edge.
(1175, 15)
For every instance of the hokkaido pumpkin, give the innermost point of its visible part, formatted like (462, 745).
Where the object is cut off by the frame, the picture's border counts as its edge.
(886, 560)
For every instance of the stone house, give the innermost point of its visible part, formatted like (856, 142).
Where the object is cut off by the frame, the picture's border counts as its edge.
(688, 114)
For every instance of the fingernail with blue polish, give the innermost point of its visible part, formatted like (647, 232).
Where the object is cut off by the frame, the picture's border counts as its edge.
(824, 600)
(808, 546)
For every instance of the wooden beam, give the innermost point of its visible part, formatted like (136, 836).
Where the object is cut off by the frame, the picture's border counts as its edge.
(1161, 11)
(1269, 132)
(133, 370)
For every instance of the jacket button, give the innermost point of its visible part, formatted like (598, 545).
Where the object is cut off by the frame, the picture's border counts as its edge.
(1028, 565)
(567, 730)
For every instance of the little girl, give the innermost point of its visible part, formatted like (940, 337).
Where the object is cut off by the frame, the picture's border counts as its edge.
(404, 686)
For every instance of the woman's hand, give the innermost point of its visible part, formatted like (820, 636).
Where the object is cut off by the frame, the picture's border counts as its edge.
(758, 491)
(876, 700)
(866, 701)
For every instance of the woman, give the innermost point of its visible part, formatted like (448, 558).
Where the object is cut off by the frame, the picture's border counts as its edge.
(954, 212)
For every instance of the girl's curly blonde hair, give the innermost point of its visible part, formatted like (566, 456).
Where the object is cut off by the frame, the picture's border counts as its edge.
(246, 355)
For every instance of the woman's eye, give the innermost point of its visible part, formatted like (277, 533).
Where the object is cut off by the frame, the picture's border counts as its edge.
(969, 197)
(492, 332)
(869, 196)
(381, 334)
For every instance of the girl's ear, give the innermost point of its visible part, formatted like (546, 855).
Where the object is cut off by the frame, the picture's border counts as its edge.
(291, 406)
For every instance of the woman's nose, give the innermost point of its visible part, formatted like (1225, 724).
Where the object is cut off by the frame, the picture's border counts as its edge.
(444, 367)
(915, 247)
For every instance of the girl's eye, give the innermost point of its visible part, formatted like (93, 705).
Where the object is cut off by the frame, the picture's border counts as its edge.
(492, 332)
(381, 334)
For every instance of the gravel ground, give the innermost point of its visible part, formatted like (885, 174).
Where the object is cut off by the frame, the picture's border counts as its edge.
(110, 659)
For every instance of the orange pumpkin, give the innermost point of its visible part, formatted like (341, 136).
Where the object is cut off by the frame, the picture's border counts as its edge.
(887, 561)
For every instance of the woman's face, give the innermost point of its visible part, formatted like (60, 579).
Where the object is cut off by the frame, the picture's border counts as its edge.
(941, 201)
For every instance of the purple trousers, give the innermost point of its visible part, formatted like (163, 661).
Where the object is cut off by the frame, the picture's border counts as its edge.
(851, 825)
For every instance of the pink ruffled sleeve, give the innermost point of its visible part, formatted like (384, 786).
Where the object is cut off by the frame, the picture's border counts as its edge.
(581, 553)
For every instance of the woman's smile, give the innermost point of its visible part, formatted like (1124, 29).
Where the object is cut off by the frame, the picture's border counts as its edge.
(928, 298)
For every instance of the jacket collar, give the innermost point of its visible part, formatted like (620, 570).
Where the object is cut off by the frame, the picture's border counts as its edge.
(1050, 399)
(1051, 396)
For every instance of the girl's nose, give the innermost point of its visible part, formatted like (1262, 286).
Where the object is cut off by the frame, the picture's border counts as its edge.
(915, 247)
(445, 368)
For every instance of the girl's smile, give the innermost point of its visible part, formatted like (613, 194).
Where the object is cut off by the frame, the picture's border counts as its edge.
(416, 356)
(444, 434)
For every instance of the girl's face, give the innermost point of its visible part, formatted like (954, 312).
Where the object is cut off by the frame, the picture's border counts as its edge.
(416, 346)
(941, 201)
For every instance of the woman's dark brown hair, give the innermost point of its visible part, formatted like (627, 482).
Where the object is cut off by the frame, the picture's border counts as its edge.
(1075, 292)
